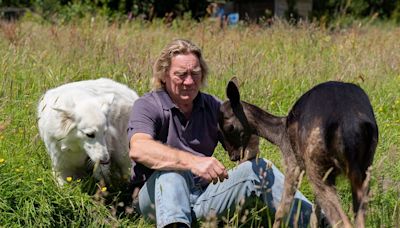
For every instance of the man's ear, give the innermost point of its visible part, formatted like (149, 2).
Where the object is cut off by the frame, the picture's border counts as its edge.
(232, 92)
(107, 101)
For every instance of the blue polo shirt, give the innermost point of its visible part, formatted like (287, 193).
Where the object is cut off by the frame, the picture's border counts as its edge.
(155, 114)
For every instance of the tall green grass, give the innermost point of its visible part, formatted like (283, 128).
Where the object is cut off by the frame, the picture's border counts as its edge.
(275, 65)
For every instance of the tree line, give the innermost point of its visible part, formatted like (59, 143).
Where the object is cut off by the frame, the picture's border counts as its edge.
(326, 10)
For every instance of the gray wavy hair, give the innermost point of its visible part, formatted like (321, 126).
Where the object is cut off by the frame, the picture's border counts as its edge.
(163, 63)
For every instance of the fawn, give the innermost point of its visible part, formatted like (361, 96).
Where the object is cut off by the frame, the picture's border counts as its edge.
(330, 130)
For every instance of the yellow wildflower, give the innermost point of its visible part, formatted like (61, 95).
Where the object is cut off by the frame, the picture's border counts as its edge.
(2, 160)
(103, 189)
(69, 179)
(79, 180)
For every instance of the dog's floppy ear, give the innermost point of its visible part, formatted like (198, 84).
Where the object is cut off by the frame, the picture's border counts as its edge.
(107, 100)
(232, 92)
(67, 121)
(65, 114)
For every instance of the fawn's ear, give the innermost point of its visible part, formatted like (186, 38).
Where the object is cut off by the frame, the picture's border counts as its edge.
(232, 92)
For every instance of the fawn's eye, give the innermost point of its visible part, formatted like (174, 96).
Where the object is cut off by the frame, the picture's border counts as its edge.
(90, 135)
(230, 128)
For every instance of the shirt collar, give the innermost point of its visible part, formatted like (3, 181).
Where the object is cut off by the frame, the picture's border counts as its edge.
(167, 102)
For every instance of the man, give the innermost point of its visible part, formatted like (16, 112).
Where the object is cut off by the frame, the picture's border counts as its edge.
(173, 132)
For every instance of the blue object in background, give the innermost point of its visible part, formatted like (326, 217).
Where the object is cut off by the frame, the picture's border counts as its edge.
(233, 18)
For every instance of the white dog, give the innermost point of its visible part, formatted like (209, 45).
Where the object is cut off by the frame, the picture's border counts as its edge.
(83, 125)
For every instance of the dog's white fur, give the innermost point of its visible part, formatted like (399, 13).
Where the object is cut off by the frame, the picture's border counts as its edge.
(83, 125)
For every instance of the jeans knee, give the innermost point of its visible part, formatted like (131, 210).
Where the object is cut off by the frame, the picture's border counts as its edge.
(255, 167)
(175, 178)
(172, 197)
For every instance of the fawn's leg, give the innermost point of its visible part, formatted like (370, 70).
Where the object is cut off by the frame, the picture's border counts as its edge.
(327, 198)
(315, 216)
(291, 180)
(320, 168)
(360, 190)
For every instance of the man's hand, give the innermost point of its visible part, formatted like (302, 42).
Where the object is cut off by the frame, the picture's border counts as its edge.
(209, 169)
(155, 155)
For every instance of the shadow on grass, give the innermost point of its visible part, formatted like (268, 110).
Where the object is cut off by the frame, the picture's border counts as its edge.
(116, 197)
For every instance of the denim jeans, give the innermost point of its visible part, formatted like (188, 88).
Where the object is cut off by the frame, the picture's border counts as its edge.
(175, 197)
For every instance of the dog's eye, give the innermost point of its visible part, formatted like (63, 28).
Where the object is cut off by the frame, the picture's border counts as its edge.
(90, 135)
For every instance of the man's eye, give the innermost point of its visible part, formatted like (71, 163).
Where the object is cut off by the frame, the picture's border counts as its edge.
(179, 74)
(196, 74)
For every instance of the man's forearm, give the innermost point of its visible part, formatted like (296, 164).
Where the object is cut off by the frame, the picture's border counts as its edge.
(156, 155)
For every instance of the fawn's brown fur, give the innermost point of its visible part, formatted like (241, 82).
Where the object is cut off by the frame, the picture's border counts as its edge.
(330, 130)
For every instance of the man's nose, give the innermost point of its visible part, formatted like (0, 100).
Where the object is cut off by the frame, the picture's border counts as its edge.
(188, 80)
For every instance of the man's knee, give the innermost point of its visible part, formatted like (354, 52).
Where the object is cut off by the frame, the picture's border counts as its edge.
(258, 168)
(166, 198)
(167, 183)
(174, 178)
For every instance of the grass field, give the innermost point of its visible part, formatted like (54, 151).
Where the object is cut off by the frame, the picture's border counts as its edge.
(275, 65)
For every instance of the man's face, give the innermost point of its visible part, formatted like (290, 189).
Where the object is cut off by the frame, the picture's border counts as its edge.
(183, 80)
